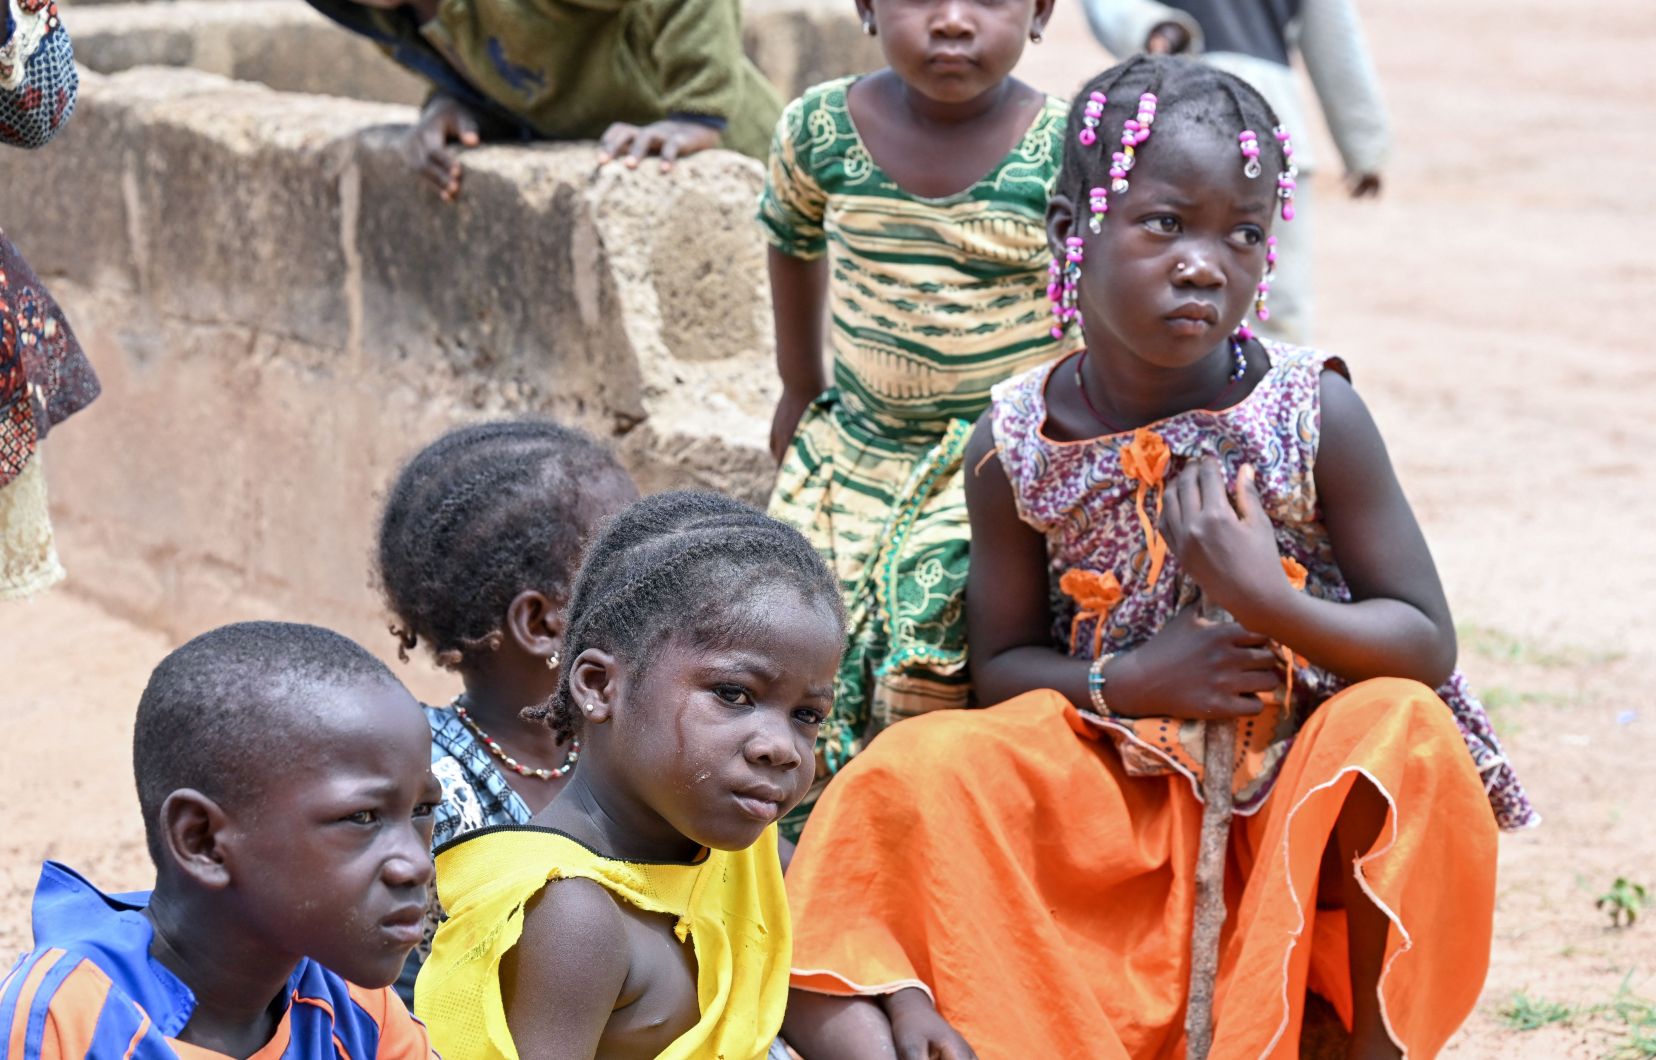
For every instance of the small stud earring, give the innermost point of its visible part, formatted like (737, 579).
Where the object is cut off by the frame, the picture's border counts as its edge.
(868, 26)
(587, 707)
(1034, 36)
(552, 662)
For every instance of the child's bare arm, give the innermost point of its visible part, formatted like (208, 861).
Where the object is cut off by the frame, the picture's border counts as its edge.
(1187, 670)
(799, 293)
(561, 981)
(1398, 624)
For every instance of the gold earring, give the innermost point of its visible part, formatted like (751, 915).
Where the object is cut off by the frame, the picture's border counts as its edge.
(552, 663)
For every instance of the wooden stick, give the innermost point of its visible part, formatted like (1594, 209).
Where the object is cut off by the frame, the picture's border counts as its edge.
(1218, 766)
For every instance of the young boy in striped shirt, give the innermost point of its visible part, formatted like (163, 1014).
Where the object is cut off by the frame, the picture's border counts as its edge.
(284, 779)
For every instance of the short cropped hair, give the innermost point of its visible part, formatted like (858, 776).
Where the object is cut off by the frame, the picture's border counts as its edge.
(219, 712)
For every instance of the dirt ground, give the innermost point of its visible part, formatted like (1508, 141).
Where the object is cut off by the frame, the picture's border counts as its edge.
(1488, 306)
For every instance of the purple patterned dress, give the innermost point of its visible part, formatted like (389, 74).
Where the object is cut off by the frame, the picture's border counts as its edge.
(44, 376)
(1086, 498)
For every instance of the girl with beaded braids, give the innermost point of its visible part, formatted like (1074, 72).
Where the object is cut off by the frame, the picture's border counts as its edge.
(1180, 524)
(642, 913)
(478, 547)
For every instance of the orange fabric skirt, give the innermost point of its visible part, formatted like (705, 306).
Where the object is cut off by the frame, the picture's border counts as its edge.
(1003, 860)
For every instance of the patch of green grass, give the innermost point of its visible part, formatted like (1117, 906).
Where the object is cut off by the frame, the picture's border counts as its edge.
(1637, 1016)
(1500, 701)
(1629, 1018)
(1525, 1013)
(1497, 697)
(1501, 646)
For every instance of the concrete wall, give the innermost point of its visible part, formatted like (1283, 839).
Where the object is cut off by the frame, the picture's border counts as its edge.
(285, 44)
(281, 313)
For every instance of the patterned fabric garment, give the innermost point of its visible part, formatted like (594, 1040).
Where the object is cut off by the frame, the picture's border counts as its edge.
(28, 552)
(38, 82)
(475, 795)
(933, 302)
(44, 376)
(1096, 501)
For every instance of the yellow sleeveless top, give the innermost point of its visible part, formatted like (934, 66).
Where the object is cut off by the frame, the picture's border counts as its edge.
(730, 904)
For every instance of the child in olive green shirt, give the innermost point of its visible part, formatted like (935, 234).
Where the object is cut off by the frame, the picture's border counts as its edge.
(645, 77)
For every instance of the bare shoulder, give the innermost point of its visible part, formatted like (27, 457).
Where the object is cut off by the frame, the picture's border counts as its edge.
(1350, 442)
(575, 915)
(573, 950)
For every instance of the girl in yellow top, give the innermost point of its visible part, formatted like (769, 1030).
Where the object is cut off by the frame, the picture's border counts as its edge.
(642, 914)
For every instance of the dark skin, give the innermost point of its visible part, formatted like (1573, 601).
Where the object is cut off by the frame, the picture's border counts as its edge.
(1185, 249)
(1170, 38)
(939, 118)
(705, 747)
(446, 122)
(330, 861)
(523, 671)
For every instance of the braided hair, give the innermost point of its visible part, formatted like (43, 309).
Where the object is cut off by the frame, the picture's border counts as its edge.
(1186, 91)
(680, 563)
(480, 515)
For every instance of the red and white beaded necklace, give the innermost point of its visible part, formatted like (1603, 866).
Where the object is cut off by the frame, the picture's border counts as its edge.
(511, 763)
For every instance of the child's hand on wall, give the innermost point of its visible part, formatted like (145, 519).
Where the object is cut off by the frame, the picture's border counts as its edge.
(920, 1032)
(672, 139)
(443, 121)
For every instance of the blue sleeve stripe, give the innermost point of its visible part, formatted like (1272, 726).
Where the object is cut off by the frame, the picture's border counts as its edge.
(43, 1003)
(118, 1026)
(12, 989)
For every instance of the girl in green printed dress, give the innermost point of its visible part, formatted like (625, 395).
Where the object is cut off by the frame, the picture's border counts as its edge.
(905, 209)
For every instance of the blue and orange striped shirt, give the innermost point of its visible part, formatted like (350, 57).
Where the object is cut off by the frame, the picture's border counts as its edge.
(91, 989)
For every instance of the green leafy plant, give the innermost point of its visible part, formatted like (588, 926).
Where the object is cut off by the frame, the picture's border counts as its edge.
(1623, 902)
(1525, 1013)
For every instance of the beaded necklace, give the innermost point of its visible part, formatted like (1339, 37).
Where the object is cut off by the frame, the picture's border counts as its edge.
(511, 763)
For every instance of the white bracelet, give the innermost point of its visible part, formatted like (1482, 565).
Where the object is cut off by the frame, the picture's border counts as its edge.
(1095, 683)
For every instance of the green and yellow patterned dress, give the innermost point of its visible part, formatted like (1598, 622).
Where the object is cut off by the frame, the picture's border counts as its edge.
(933, 302)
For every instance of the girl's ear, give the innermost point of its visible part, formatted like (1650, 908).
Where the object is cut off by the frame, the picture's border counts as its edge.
(535, 623)
(1060, 222)
(194, 833)
(596, 683)
(1043, 15)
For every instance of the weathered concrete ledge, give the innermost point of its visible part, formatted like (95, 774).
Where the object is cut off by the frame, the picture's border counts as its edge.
(281, 312)
(286, 45)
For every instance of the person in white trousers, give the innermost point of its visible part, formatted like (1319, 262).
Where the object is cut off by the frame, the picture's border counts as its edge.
(1255, 40)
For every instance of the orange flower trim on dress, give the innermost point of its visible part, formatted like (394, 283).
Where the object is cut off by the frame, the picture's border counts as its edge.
(1095, 596)
(1146, 460)
(1296, 573)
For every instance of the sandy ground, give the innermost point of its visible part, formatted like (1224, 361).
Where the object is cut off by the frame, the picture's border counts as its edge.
(1489, 306)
